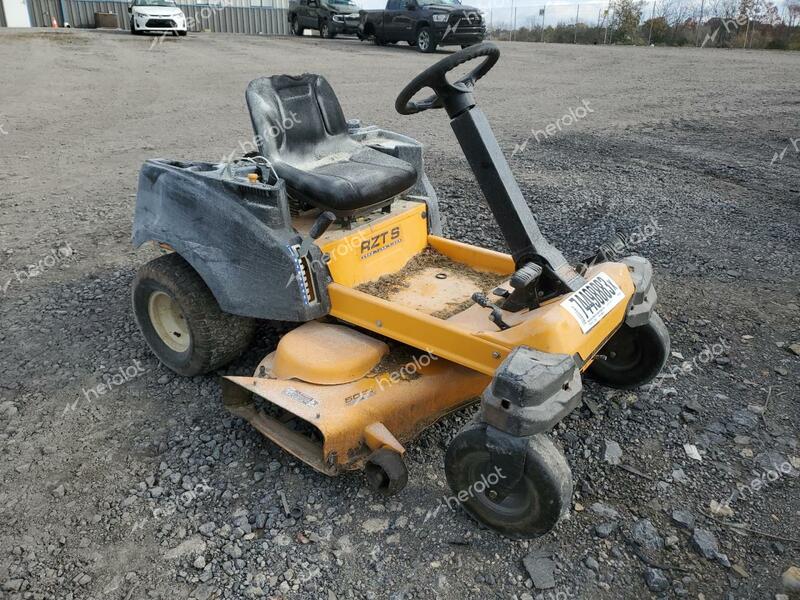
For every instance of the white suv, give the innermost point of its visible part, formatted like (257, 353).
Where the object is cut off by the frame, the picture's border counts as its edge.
(158, 16)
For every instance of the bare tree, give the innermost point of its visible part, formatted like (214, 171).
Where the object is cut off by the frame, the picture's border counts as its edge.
(676, 12)
(728, 9)
(793, 12)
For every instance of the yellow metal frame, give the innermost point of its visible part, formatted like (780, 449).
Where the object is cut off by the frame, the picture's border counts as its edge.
(349, 402)
(472, 340)
(416, 329)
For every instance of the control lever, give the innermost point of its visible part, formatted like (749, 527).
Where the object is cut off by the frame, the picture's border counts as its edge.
(611, 250)
(496, 315)
(320, 226)
(525, 284)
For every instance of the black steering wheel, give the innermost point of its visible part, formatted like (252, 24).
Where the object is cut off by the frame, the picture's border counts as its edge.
(434, 78)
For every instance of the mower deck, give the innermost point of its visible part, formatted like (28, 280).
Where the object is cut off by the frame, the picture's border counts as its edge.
(339, 425)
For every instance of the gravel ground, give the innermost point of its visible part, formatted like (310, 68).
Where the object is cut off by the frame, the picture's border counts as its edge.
(150, 490)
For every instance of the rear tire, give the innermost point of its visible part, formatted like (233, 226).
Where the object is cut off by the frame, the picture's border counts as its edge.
(296, 29)
(378, 41)
(325, 31)
(181, 320)
(634, 355)
(537, 502)
(425, 42)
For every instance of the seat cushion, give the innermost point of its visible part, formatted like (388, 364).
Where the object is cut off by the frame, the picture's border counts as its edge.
(300, 128)
(344, 183)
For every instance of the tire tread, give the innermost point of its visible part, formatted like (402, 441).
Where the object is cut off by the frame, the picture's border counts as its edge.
(217, 337)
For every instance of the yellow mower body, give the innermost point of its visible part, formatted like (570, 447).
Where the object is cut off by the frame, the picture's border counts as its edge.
(353, 392)
(400, 326)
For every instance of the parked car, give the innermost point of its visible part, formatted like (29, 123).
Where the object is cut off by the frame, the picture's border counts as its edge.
(157, 16)
(425, 24)
(329, 17)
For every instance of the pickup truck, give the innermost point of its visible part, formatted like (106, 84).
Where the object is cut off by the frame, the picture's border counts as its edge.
(425, 24)
(329, 17)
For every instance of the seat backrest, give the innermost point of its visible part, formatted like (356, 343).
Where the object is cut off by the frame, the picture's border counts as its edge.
(294, 115)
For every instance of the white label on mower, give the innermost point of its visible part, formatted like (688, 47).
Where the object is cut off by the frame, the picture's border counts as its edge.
(300, 397)
(593, 301)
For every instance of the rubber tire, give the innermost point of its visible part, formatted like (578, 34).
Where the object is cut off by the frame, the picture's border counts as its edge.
(296, 29)
(650, 356)
(386, 472)
(182, 33)
(217, 337)
(134, 31)
(378, 41)
(431, 46)
(325, 31)
(547, 483)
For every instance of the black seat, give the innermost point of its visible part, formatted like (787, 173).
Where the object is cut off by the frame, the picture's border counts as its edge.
(301, 130)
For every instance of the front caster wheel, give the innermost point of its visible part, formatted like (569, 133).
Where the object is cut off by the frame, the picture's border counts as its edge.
(181, 320)
(633, 355)
(386, 472)
(534, 505)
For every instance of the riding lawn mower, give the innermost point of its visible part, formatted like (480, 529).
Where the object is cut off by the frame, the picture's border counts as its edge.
(334, 226)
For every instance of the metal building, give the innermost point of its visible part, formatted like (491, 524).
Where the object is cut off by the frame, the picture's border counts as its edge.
(255, 17)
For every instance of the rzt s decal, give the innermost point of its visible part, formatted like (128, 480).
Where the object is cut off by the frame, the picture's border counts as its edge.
(380, 242)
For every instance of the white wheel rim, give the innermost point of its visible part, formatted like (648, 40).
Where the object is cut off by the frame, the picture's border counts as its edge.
(169, 322)
(423, 40)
